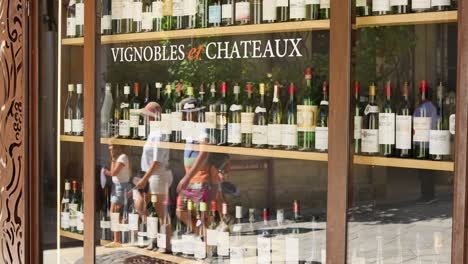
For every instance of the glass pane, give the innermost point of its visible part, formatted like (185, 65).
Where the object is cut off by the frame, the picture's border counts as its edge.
(201, 127)
(404, 107)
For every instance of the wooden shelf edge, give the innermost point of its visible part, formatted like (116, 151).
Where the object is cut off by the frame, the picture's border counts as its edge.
(407, 19)
(71, 235)
(404, 163)
(67, 138)
(73, 41)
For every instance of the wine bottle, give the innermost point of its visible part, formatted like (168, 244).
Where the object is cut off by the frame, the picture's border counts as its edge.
(105, 217)
(200, 126)
(256, 14)
(168, 21)
(71, 19)
(274, 120)
(147, 16)
(324, 9)
(124, 121)
(124, 226)
(135, 105)
(265, 227)
(159, 95)
(312, 9)
(289, 128)
(202, 13)
(403, 135)
(144, 120)
(227, 13)
(451, 107)
(157, 14)
(166, 116)
(116, 112)
(77, 121)
(68, 113)
(439, 135)
(190, 13)
(247, 117)
(387, 124)
(106, 112)
(307, 115)
(370, 128)
(142, 228)
(65, 213)
(440, 5)
(268, 90)
(418, 6)
(176, 115)
(106, 18)
(79, 13)
(363, 8)
(242, 12)
(268, 11)
(399, 6)
(188, 236)
(282, 10)
(380, 7)
(73, 207)
(210, 117)
(211, 232)
(223, 233)
(188, 116)
(137, 16)
(178, 13)
(321, 130)
(152, 222)
(234, 124)
(133, 219)
(200, 239)
(260, 126)
(127, 16)
(357, 119)
(214, 13)
(297, 10)
(221, 116)
(164, 236)
(80, 213)
(116, 10)
(423, 118)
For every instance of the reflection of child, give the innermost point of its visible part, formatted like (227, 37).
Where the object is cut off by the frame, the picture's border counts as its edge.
(120, 173)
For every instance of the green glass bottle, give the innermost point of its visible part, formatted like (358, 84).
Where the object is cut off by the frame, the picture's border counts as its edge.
(176, 115)
(321, 129)
(166, 116)
(221, 116)
(127, 16)
(247, 117)
(234, 122)
(387, 124)
(210, 117)
(124, 121)
(274, 120)
(439, 135)
(324, 9)
(357, 119)
(79, 21)
(312, 9)
(289, 130)
(167, 21)
(307, 115)
(370, 128)
(260, 126)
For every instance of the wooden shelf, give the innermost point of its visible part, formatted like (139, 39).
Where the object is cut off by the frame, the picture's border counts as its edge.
(67, 138)
(388, 20)
(405, 163)
(71, 235)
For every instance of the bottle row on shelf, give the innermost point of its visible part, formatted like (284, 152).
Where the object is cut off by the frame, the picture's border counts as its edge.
(391, 128)
(133, 16)
(71, 218)
(73, 114)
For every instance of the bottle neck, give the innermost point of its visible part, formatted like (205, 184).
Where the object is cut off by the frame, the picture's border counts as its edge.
(371, 99)
(423, 96)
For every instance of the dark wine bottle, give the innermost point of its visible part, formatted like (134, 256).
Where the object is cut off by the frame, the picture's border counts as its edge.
(400, 6)
(363, 8)
(439, 135)
(247, 117)
(124, 121)
(274, 120)
(211, 118)
(289, 129)
(404, 129)
(176, 115)
(387, 124)
(260, 126)
(424, 117)
(136, 104)
(312, 9)
(321, 129)
(234, 123)
(68, 112)
(282, 10)
(221, 116)
(370, 128)
(227, 13)
(357, 119)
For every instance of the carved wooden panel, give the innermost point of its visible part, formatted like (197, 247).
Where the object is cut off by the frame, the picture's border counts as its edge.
(12, 131)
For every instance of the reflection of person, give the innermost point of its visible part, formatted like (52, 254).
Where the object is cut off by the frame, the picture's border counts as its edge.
(120, 173)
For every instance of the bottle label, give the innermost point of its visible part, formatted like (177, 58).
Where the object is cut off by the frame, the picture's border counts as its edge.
(214, 14)
(221, 120)
(452, 124)
(234, 133)
(157, 9)
(147, 21)
(403, 132)
(166, 124)
(243, 11)
(200, 249)
(65, 220)
(380, 5)
(210, 118)
(264, 250)
(142, 130)
(292, 249)
(187, 130)
(306, 118)
(155, 127)
(79, 221)
(124, 128)
(211, 237)
(133, 222)
(247, 120)
(134, 118)
(176, 121)
(289, 135)
(297, 9)
(321, 138)
(167, 8)
(77, 125)
(421, 4)
(421, 127)
(73, 209)
(161, 240)
(357, 127)
(439, 142)
(223, 243)
(398, 2)
(127, 9)
(106, 23)
(114, 223)
(71, 27)
(201, 133)
(152, 225)
(259, 135)
(361, 3)
(116, 7)
(79, 9)
(274, 134)
(269, 10)
(235, 107)
(371, 109)
(370, 140)
(313, 2)
(187, 244)
(386, 128)
(440, 2)
(259, 109)
(123, 228)
(176, 245)
(226, 11)
(190, 7)
(105, 224)
(282, 3)
(324, 4)
(67, 126)
(177, 8)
